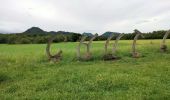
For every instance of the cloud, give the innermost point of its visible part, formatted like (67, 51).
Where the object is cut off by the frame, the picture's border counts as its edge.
(96, 16)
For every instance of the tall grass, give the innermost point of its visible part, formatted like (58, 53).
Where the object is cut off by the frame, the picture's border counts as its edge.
(25, 73)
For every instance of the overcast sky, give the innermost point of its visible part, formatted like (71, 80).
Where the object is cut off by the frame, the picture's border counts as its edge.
(95, 16)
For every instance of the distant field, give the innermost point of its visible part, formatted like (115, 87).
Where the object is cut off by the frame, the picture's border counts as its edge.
(25, 73)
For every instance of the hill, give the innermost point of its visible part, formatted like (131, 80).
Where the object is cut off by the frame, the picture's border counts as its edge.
(107, 34)
(35, 30)
(87, 34)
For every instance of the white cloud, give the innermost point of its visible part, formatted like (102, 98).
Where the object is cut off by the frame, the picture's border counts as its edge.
(84, 15)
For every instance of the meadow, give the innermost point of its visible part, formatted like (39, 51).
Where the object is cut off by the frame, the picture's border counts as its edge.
(25, 73)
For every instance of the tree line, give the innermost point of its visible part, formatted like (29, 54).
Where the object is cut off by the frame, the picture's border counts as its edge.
(27, 38)
(36, 38)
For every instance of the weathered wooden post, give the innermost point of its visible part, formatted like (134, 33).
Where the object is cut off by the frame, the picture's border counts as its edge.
(163, 47)
(135, 54)
(55, 58)
(88, 54)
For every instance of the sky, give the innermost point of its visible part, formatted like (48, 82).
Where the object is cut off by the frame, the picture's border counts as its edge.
(94, 16)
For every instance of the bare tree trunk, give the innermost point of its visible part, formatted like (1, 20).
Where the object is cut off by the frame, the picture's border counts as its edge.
(116, 42)
(65, 38)
(90, 42)
(88, 46)
(78, 47)
(48, 47)
(163, 47)
(134, 43)
(57, 56)
(135, 54)
(111, 56)
(107, 42)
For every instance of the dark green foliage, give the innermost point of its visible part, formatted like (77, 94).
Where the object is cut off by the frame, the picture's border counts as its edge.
(3, 38)
(3, 77)
(74, 37)
(37, 35)
(88, 34)
(35, 30)
(107, 34)
(25, 38)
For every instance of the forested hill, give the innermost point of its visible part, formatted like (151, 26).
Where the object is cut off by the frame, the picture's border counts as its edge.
(37, 35)
(107, 34)
(87, 34)
(35, 30)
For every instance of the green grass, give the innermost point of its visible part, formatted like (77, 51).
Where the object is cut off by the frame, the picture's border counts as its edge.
(25, 73)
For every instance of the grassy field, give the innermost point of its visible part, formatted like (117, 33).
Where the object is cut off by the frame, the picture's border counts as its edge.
(25, 73)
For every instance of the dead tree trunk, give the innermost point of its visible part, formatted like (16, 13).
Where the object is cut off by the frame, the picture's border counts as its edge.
(111, 56)
(116, 42)
(90, 42)
(107, 42)
(78, 47)
(55, 58)
(135, 54)
(87, 56)
(163, 47)
(65, 38)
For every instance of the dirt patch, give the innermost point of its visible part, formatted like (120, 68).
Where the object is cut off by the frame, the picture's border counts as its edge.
(110, 57)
